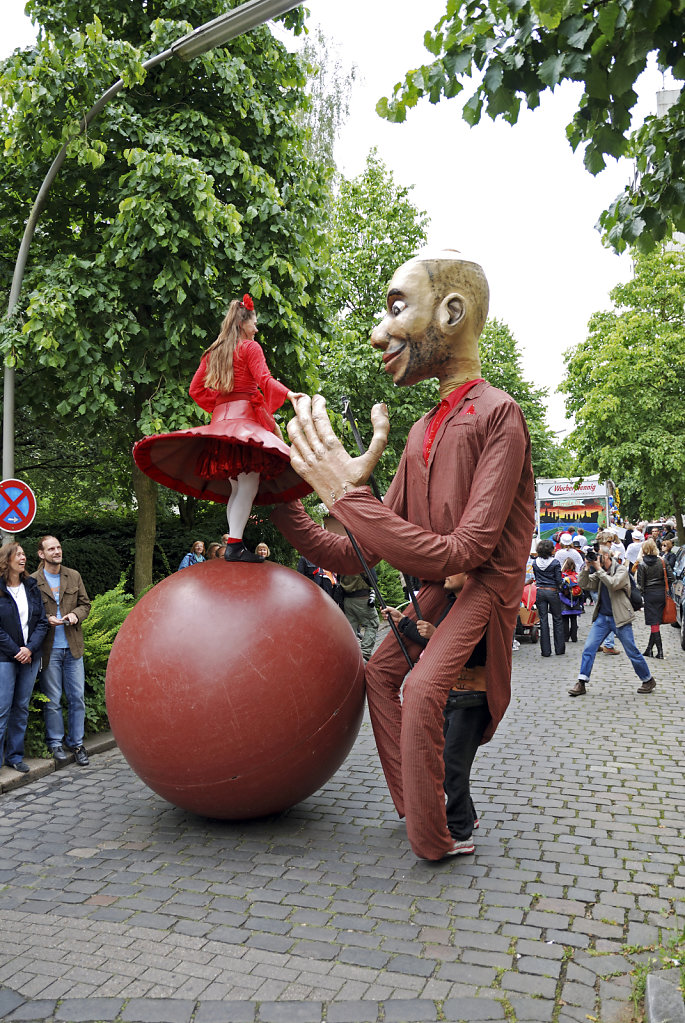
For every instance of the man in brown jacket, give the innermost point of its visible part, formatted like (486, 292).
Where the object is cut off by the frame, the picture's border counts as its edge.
(462, 501)
(67, 605)
(603, 574)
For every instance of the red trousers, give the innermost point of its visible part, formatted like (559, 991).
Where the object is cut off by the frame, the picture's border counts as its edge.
(409, 731)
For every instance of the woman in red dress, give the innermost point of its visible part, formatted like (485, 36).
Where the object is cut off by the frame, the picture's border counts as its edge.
(239, 458)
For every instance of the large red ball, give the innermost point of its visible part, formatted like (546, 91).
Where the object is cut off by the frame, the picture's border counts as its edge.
(235, 690)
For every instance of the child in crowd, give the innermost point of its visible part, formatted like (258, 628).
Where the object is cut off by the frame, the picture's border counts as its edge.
(572, 600)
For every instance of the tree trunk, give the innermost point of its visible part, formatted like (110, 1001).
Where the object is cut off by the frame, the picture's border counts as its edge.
(145, 490)
(680, 529)
(187, 507)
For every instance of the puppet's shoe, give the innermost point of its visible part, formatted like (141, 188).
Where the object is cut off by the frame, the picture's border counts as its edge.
(462, 848)
(239, 552)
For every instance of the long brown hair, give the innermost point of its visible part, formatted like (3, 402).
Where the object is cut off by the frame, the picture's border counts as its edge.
(219, 375)
(6, 552)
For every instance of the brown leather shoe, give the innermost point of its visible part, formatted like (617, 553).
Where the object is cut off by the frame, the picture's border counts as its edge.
(648, 686)
(609, 650)
(578, 689)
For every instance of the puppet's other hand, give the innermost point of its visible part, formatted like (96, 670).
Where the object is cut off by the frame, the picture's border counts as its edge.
(318, 456)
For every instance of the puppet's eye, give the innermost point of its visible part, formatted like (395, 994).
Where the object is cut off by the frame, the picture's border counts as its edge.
(397, 307)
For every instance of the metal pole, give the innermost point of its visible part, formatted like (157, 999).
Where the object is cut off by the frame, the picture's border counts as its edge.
(8, 435)
(22, 257)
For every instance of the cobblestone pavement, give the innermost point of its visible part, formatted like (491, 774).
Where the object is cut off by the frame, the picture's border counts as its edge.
(116, 905)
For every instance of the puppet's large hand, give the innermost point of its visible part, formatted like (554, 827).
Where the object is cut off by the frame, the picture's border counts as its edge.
(319, 457)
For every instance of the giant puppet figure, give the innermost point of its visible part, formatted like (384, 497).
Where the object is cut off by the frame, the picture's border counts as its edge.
(462, 501)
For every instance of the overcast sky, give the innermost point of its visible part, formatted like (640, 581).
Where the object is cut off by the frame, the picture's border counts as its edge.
(516, 199)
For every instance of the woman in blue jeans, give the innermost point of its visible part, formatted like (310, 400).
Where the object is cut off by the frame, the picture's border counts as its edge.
(548, 581)
(23, 627)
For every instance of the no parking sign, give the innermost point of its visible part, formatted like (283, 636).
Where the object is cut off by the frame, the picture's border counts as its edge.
(17, 506)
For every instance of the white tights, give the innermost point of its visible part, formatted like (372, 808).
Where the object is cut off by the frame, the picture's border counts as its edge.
(243, 492)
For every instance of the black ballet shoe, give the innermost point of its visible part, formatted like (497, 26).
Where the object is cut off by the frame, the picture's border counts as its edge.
(239, 552)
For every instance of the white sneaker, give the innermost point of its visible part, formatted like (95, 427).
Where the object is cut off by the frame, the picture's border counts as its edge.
(516, 645)
(462, 848)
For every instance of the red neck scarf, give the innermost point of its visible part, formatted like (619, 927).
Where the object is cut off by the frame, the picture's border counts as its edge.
(444, 408)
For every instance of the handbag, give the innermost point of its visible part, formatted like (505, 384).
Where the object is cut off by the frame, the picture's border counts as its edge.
(669, 616)
(635, 595)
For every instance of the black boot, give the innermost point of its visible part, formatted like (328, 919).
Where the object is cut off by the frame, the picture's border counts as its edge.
(239, 552)
(650, 646)
(659, 647)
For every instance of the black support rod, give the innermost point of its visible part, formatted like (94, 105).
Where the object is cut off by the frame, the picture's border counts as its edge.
(370, 573)
(349, 416)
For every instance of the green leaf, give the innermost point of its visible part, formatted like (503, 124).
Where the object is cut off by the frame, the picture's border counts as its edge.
(593, 159)
(457, 62)
(579, 39)
(551, 70)
(607, 17)
(472, 110)
(549, 12)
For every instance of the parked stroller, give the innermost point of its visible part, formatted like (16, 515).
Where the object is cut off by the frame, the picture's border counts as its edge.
(528, 621)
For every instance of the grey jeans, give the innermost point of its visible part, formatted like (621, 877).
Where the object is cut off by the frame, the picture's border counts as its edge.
(363, 618)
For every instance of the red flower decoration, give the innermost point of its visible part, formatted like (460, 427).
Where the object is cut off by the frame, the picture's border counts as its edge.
(247, 303)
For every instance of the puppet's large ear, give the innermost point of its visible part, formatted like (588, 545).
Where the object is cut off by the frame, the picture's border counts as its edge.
(451, 312)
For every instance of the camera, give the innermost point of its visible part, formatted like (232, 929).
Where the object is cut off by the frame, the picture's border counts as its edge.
(591, 555)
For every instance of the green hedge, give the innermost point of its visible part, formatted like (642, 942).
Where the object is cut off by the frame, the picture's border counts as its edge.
(390, 584)
(100, 562)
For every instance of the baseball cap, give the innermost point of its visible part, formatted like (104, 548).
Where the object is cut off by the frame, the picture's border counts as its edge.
(638, 537)
(565, 539)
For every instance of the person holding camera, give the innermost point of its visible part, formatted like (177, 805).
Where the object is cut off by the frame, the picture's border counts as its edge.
(613, 612)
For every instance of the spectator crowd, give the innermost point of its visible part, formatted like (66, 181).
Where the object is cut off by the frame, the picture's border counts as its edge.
(618, 574)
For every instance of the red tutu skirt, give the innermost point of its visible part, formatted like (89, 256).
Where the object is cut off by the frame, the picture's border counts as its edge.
(202, 461)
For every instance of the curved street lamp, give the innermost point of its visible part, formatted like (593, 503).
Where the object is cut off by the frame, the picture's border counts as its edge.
(208, 36)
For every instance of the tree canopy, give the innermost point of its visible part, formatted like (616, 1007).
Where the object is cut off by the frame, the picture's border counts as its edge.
(516, 49)
(626, 387)
(188, 190)
(501, 365)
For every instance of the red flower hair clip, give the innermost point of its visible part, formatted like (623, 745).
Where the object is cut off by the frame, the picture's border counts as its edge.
(247, 303)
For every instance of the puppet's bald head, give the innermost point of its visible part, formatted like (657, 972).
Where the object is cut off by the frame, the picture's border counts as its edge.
(437, 304)
(447, 271)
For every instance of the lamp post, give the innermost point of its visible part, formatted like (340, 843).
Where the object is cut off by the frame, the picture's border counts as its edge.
(208, 36)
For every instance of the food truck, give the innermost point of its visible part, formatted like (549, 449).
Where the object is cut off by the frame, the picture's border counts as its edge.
(567, 504)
